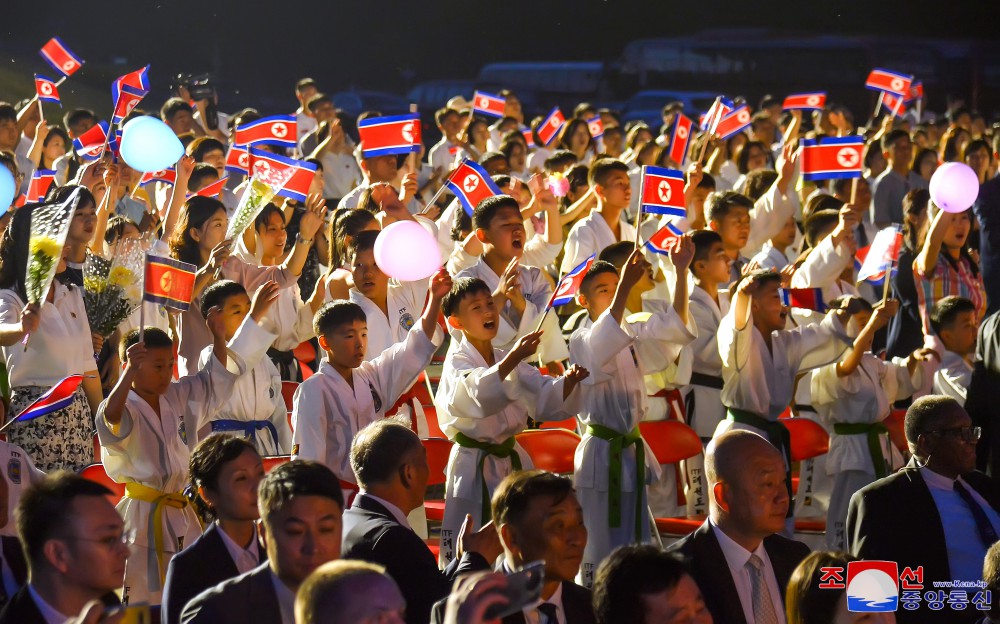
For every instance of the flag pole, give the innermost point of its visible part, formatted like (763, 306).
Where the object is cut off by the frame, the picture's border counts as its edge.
(885, 284)
(41, 113)
(708, 122)
(541, 319)
(854, 191)
(638, 213)
(142, 303)
(878, 107)
(433, 200)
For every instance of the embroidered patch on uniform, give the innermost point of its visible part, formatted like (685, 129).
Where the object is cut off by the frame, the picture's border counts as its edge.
(295, 449)
(14, 470)
(376, 398)
(271, 392)
(182, 433)
(406, 321)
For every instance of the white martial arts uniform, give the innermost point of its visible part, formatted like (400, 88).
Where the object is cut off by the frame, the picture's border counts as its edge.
(770, 213)
(473, 401)
(770, 257)
(614, 398)
(20, 474)
(864, 397)
(953, 376)
(589, 236)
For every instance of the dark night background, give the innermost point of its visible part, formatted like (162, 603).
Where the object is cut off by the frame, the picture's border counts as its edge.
(258, 49)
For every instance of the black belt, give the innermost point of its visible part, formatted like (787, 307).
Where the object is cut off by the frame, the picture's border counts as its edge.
(285, 357)
(708, 381)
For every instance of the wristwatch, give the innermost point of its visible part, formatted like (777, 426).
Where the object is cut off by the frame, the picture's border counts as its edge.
(299, 239)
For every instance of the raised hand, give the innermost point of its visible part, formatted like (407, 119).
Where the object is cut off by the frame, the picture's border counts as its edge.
(682, 253)
(635, 267)
(216, 323)
(263, 299)
(314, 216)
(526, 346)
(440, 283)
(30, 318)
(136, 355)
(572, 377)
(220, 253)
(883, 312)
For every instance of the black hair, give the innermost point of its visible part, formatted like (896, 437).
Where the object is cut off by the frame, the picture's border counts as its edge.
(8, 112)
(743, 156)
(559, 159)
(153, 337)
(380, 448)
(263, 217)
(703, 241)
(196, 212)
(513, 496)
(77, 116)
(820, 202)
(977, 144)
(597, 268)
(762, 276)
(629, 573)
(116, 227)
(173, 106)
(336, 313)
(316, 100)
(946, 310)
(602, 169)
(217, 293)
(915, 203)
(892, 136)
(293, 479)
(441, 113)
(926, 413)
(344, 224)
(203, 145)
(364, 241)
(205, 466)
(818, 225)
(719, 204)
(44, 511)
(461, 225)
(460, 289)
(488, 208)
(706, 182)
(617, 253)
(202, 175)
(759, 182)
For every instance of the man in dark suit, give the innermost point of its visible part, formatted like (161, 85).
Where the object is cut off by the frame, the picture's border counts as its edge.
(540, 519)
(301, 508)
(902, 517)
(390, 464)
(76, 548)
(737, 557)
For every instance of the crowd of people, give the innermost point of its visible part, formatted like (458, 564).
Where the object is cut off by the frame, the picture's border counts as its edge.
(187, 408)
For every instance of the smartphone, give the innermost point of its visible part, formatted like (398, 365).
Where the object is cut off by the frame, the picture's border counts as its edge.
(524, 586)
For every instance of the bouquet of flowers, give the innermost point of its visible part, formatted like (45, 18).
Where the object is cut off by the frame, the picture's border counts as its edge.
(49, 226)
(263, 186)
(112, 289)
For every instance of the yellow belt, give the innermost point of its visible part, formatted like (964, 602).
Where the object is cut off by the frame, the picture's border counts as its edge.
(147, 494)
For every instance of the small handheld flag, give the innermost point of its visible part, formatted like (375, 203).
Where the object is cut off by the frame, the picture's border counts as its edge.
(90, 145)
(391, 135)
(835, 157)
(680, 135)
(488, 104)
(529, 137)
(169, 282)
(549, 128)
(916, 91)
(59, 396)
(238, 160)
(662, 191)
(167, 176)
(60, 57)
(280, 130)
(596, 127)
(212, 190)
(569, 285)
(471, 184)
(41, 181)
(127, 91)
(882, 254)
(264, 166)
(886, 80)
(894, 104)
(46, 90)
(665, 239)
(805, 101)
(720, 108)
(733, 122)
(804, 298)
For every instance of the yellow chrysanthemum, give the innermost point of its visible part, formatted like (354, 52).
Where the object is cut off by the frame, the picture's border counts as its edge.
(121, 276)
(45, 245)
(95, 284)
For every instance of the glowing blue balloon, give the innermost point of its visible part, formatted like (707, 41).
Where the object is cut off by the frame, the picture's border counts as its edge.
(148, 145)
(8, 188)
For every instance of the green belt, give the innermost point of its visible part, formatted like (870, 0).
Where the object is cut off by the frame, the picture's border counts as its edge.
(873, 431)
(503, 449)
(619, 441)
(777, 434)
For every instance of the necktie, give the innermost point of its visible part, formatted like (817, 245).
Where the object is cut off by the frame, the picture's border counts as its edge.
(763, 607)
(862, 236)
(550, 612)
(983, 525)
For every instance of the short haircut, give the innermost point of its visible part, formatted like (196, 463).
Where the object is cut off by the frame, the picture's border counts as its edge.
(460, 289)
(818, 225)
(759, 182)
(488, 208)
(78, 116)
(818, 202)
(513, 496)
(263, 217)
(44, 510)
(599, 267)
(768, 101)
(8, 112)
(218, 292)
(296, 478)
(629, 573)
(763, 276)
(204, 145)
(559, 159)
(116, 227)
(617, 253)
(304, 84)
(173, 106)
(602, 169)
(489, 157)
(978, 144)
(363, 241)
(154, 338)
(379, 449)
(442, 113)
(946, 310)
(721, 204)
(207, 461)
(333, 588)
(892, 136)
(703, 241)
(203, 175)
(926, 413)
(706, 182)
(336, 313)
(317, 99)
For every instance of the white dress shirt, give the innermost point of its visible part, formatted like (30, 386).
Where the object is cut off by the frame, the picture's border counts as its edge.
(736, 559)
(396, 512)
(247, 557)
(286, 599)
(533, 616)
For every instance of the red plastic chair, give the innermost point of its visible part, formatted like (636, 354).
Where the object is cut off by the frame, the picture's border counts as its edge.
(809, 440)
(433, 426)
(288, 389)
(97, 474)
(671, 442)
(273, 461)
(894, 423)
(569, 423)
(438, 451)
(550, 449)
(305, 353)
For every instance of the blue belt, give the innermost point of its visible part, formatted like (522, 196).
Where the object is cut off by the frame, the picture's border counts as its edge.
(249, 428)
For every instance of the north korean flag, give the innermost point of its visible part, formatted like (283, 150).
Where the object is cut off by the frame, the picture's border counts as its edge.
(529, 137)
(916, 91)
(169, 282)
(663, 191)
(835, 157)
(167, 176)
(882, 253)
(804, 298)
(596, 127)
(391, 135)
(549, 128)
(720, 108)
(238, 160)
(280, 130)
(41, 181)
(90, 144)
(665, 239)
(886, 80)
(488, 104)
(46, 90)
(293, 176)
(127, 91)
(894, 104)
(805, 101)
(59, 396)
(471, 184)
(680, 136)
(734, 122)
(115, 143)
(569, 285)
(212, 190)
(60, 57)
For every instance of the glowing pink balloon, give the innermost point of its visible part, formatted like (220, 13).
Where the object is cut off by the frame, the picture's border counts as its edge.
(954, 187)
(407, 251)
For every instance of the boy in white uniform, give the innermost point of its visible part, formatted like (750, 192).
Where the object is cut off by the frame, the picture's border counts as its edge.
(348, 392)
(613, 464)
(953, 320)
(485, 397)
(605, 224)
(854, 396)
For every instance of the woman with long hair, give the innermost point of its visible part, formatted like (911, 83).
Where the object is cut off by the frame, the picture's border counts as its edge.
(905, 331)
(808, 601)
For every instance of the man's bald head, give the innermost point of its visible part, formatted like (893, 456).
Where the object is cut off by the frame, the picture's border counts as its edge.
(729, 453)
(347, 592)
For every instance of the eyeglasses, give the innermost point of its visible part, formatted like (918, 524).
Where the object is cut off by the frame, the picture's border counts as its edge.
(125, 539)
(967, 434)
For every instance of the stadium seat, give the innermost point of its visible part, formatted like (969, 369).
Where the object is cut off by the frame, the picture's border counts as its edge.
(894, 423)
(288, 389)
(809, 440)
(671, 442)
(569, 423)
(438, 451)
(433, 426)
(550, 449)
(97, 474)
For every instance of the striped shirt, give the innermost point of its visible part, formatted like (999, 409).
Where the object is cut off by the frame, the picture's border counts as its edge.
(944, 280)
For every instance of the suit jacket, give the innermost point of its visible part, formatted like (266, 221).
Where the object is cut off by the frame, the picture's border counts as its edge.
(877, 530)
(576, 601)
(704, 557)
(371, 533)
(22, 609)
(249, 597)
(203, 564)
